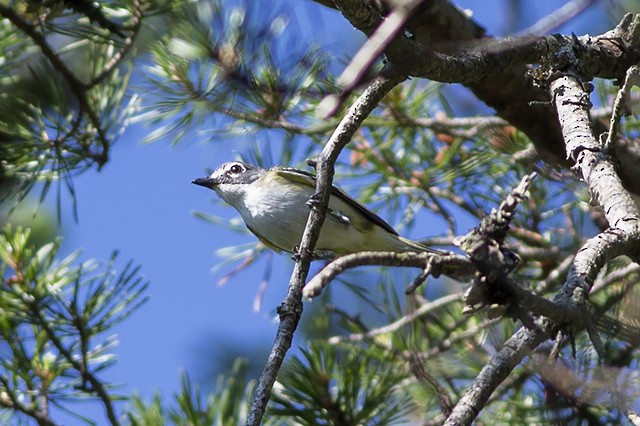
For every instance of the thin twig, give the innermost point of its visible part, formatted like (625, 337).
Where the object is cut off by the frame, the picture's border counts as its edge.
(557, 18)
(363, 60)
(127, 44)
(86, 375)
(407, 319)
(14, 402)
(621, 105)
(471, 332)
(604, 282)
(555, 276)
(281, 123)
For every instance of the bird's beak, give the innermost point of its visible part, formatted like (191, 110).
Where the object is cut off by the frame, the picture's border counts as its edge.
(207, 182)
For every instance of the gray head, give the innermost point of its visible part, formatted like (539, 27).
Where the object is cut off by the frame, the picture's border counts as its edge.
(233, 172)
(231, 180)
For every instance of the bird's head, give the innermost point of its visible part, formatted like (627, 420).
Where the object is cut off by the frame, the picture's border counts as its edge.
(231, 180)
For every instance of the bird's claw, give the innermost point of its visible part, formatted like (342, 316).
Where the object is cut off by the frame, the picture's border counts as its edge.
(313, 202)
(316, 255)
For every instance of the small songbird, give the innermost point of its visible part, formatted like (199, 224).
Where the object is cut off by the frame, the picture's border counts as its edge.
(273, 204)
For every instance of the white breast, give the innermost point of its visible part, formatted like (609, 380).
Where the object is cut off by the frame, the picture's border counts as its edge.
(275, 213)
(279, 216)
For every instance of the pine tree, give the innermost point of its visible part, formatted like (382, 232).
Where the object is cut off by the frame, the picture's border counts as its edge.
(545, 329)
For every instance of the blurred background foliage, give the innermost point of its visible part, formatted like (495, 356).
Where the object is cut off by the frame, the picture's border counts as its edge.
(75, 74)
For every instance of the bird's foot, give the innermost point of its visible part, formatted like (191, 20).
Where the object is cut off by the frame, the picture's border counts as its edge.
(316, 255)
(313, 202)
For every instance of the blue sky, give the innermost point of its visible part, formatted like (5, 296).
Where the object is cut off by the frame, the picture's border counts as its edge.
(142, 204)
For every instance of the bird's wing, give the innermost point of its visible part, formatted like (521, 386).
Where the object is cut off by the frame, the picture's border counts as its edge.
(306, 178)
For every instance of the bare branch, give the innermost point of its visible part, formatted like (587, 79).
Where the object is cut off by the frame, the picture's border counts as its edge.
(456, 266)
(365, 57)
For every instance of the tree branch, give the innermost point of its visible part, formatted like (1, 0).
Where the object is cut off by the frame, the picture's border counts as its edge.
(558, 17)
(80, 88)
(364, 59)
(127, 44)
(423, 310)
(455, 266)
(447, 45)
(10, 400)
(571, 99)
(290, 310)
(621, 105)
(495, 372)
(96, 385)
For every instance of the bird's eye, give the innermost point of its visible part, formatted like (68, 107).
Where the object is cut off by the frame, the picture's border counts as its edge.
(236, 169)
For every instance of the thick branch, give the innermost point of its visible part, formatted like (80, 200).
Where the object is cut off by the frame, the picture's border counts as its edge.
(596, 167)
(598, 170)
(602, 56)
(447, 45)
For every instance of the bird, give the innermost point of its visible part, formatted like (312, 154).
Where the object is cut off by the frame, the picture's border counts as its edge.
(274, 206)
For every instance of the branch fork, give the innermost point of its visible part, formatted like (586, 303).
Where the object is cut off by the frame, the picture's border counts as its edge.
(594, 163)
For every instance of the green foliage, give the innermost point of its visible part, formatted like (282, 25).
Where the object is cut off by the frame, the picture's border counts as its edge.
(63, 100)
(228, 405)
(234, 69)
(410, 156)
(53, 318)
(213, 53)
(332, 385)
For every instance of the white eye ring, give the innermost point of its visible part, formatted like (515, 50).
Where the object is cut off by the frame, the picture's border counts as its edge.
(236, 169)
